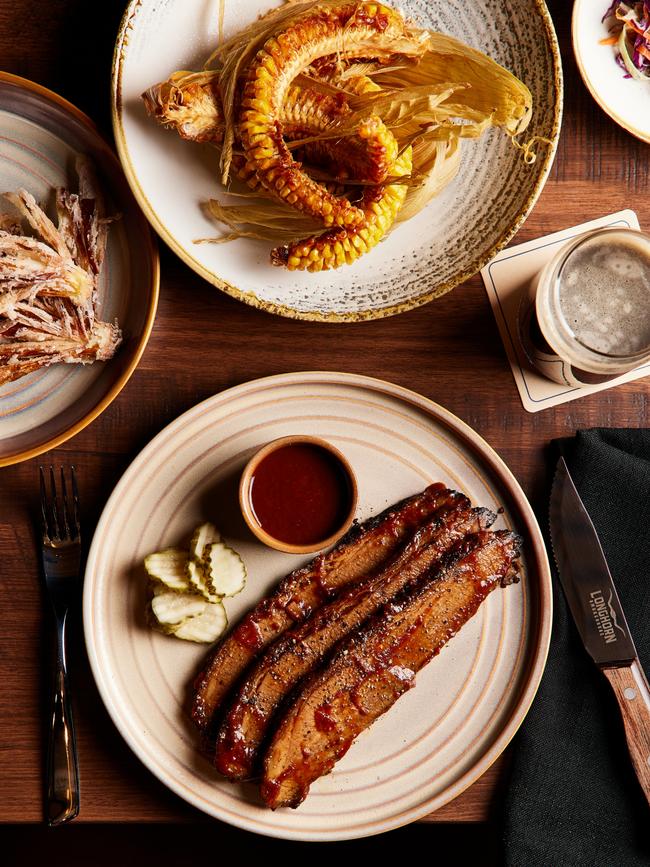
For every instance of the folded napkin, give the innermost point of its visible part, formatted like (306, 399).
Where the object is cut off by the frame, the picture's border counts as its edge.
(573, 798)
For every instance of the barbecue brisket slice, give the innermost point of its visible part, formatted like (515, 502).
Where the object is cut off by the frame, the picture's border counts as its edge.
(363, 550)
(300, 650)
(374, 667)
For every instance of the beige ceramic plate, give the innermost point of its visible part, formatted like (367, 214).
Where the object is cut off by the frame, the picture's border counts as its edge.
(626, 101)
(40, 135)
(449, 241)
(468, 702)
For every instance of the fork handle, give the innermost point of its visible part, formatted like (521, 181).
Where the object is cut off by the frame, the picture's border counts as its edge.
(62, 767)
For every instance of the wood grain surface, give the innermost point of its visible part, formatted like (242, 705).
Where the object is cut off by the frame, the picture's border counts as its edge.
(203, 342)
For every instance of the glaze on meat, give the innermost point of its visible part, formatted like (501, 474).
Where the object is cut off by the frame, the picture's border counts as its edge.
(364, 549)
(374, 667)
(301, 650)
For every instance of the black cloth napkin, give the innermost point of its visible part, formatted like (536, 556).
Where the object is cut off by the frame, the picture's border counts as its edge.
(572, 797)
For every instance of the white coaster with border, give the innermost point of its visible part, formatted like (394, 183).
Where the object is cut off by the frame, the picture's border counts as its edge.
(506, 277)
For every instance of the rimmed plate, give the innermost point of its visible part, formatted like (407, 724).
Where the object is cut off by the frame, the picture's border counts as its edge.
(40, 135)
(455, 236)
(625, 100)
(468, 702)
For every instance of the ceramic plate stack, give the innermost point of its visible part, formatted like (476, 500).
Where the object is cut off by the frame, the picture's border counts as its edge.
(455, 235)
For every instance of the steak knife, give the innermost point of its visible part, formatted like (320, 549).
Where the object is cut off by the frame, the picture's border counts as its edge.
(597, 611)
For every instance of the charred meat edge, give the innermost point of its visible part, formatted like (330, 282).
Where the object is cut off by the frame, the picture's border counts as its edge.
(371, 670)
(365, 548)
(299, 651)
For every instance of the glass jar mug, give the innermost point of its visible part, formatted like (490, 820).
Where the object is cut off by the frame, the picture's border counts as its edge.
(585, 318)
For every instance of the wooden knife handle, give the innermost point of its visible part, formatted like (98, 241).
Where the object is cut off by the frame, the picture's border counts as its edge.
(633, 695)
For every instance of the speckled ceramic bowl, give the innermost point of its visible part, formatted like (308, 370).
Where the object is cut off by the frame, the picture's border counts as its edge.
(423, 258)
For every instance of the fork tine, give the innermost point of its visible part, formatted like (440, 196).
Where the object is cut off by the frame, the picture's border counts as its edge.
(64, 505)
(55, 513)
(75, 503)
(44, 509)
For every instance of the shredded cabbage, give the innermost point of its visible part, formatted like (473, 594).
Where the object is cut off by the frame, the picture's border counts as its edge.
(629, 31)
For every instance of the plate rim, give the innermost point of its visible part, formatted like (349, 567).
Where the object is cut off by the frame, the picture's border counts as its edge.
(287, 311)
(577, 53)
(153, 254)
(543, 624)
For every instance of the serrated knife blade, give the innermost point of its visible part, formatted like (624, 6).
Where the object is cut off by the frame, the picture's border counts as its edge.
(585, 576)
(598, 614)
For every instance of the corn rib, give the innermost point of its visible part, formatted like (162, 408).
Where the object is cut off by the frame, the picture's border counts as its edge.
(343, 245)
(189, 103)
(351, 30)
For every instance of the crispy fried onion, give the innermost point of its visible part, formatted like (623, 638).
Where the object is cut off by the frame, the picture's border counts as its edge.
(49, 281)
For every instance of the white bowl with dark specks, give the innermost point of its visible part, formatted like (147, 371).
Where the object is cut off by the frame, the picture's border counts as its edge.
(449, 241)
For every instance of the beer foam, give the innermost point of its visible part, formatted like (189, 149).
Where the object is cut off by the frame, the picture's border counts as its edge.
(604, 294)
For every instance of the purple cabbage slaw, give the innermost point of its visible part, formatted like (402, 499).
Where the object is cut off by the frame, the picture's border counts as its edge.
(629, 29)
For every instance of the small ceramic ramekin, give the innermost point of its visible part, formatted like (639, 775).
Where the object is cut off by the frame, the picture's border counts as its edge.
(249, 513)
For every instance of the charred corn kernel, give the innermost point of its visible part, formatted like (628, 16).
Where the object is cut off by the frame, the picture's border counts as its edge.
(273, 48)
(262, 153)
(343, 245)
(261, 105)
(265, 73)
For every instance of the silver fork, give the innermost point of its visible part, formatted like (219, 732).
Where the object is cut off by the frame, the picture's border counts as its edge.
(61, 552)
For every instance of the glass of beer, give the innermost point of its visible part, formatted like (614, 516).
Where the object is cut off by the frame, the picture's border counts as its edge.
(585, 318)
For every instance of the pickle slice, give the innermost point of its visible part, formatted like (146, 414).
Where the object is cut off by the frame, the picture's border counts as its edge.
(198, 578)
(169, 567)
(205, 535)
(186, 587)
(171, 608)
(206, 626)
(225, 569)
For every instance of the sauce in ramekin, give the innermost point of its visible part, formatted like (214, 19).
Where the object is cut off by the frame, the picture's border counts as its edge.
(300, 493)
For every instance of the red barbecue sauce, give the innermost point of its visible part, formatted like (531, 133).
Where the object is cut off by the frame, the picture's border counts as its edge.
(300, 494)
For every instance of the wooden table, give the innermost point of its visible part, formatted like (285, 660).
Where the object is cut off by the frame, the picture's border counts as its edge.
(449, 351)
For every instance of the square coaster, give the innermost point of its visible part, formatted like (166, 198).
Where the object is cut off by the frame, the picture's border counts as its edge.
(505, 279)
